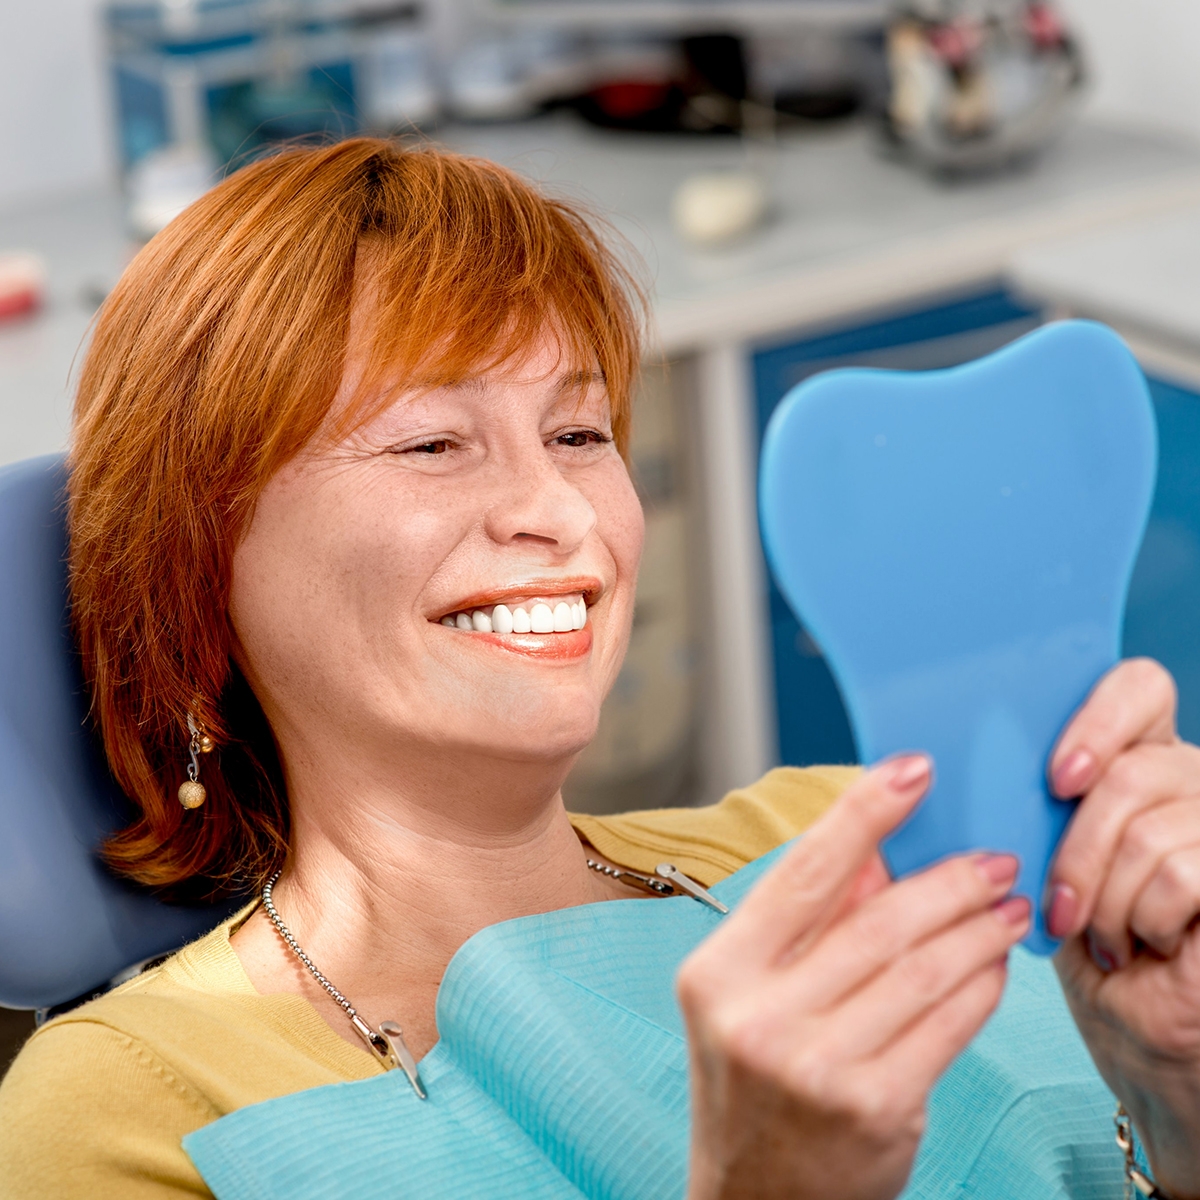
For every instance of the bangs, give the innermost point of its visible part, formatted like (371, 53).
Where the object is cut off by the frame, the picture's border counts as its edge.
(469, 272)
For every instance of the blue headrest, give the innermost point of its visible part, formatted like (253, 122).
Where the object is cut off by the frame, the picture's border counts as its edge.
(67, 926)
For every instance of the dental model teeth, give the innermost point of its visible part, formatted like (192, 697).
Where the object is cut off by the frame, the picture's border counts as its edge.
(502, 619)
(541, 619)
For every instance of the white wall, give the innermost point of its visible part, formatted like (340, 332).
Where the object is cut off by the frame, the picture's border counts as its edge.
(53, 98)
(1144, 56)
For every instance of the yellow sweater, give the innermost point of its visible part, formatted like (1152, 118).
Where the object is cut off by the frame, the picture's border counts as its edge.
(97, 1102)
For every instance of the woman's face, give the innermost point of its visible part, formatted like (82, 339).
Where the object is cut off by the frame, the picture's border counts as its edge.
(457, 574)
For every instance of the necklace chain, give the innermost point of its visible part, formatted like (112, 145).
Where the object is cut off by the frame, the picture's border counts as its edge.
(295, 947)
(387, 1042)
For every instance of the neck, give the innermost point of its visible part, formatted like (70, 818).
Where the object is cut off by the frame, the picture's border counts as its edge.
(386, 882)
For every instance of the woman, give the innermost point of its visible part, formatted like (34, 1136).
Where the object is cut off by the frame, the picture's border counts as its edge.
(348, 505)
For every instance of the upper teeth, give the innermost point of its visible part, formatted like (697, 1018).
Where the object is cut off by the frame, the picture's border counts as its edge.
(538, 616)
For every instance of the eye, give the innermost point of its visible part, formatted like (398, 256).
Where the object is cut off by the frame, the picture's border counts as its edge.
(438, 447)
(581, 437)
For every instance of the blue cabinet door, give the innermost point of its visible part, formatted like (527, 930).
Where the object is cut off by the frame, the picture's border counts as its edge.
(1162, 619)
(1163, 615)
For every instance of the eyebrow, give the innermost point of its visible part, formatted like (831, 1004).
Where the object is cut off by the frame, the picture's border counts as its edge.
(574, 379)
(571, 379)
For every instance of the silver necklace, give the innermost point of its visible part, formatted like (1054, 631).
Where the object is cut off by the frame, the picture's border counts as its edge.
(387, 1042)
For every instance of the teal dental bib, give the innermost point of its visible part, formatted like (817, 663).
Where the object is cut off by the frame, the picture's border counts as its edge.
(562, 1073)
(959, 544)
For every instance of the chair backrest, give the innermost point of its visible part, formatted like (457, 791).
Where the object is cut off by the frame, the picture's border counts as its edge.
(67, 926)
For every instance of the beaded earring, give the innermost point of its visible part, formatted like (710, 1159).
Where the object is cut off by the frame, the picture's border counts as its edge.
(192, 793)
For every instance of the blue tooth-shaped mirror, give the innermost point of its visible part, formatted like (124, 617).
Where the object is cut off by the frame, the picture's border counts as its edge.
(959, 544)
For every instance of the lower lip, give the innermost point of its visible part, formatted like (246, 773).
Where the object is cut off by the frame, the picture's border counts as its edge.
(575, 644)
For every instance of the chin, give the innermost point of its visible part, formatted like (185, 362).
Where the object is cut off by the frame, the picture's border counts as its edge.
(550, 739)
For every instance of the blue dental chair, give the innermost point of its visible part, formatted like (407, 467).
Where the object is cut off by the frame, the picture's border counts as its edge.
(68, 928)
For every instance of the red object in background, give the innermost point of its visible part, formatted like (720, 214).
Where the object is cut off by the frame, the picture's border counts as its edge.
(1043, 26)
(955, 43)
(22, 284)
(626, 99)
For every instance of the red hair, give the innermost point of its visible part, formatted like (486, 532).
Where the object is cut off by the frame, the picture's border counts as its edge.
(214, 360)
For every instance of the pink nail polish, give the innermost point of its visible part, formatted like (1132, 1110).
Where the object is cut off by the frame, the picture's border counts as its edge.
(1062, 911)
(1014, 911)
(998, 869)
(1073, 773)
(909, 773)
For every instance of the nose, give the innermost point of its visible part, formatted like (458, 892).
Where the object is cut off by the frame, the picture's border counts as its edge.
(534, 503)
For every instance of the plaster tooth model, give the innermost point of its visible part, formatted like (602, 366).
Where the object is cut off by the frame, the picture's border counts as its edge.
(717, 207)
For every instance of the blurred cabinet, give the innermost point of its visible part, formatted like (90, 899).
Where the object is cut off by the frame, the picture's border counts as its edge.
(643, 753)
(1162, 619)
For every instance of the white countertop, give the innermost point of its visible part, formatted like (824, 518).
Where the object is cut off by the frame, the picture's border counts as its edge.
(851, 231)
(1142, 276)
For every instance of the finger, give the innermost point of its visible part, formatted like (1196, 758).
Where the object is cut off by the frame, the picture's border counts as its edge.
(1150, 838)
(885, 929)
(1138, 780)
(1078, 973)
(1134, 702)
(1169, 903)
(798, 897)
(865, 1023)
(923, 1052)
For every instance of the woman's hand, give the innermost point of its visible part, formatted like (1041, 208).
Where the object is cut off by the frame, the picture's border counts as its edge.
(1125, 894)
(825, 1007)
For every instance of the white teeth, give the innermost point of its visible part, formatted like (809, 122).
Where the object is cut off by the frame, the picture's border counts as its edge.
(560, 617)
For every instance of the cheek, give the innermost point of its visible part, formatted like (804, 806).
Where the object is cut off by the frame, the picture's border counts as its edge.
(328, 562)
(620, 523)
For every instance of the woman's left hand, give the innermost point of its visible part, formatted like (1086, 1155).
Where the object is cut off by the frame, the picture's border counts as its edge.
(1125, 896)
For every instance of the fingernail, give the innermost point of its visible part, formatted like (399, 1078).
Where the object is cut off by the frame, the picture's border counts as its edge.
(998, 869)
(1073, 773)
(909, 773)
(1101, 955)
(1015, 910)
(1062, 910)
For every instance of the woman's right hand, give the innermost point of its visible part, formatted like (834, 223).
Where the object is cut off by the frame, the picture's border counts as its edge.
(824, 1008)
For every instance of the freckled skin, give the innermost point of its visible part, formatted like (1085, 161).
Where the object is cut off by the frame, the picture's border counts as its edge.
(446, 495)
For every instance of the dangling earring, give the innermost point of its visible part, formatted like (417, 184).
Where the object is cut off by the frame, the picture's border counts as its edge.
(192, 793)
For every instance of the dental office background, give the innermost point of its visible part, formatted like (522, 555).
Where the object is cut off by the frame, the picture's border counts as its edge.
(779, 243)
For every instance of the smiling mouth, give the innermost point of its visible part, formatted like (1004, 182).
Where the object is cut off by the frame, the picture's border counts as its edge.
(541, 615)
